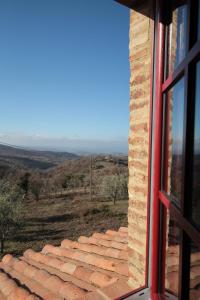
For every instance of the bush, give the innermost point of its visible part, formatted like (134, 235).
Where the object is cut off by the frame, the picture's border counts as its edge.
(11, 200)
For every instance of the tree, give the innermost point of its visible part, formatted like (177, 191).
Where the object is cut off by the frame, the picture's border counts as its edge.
(24, 182)
(66, 181)
(11, 209)
(36, 187)
(114, 187)
(123, 186)
(109, 187)
(69, 181)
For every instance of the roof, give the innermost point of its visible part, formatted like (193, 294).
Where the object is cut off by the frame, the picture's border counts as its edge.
(131, 3)
(144, 7)
(93, 268)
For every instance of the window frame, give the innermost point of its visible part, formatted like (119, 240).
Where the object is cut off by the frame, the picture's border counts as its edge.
(159, 198)
(187, 69)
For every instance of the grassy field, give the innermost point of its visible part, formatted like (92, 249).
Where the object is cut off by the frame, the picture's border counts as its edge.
(52, 220)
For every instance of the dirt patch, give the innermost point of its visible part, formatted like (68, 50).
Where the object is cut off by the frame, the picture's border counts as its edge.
(52, 220)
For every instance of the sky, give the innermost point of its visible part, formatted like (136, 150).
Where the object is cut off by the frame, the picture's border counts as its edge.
(64, 74)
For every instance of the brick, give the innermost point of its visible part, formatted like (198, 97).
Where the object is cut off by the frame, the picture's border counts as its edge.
(140, 66)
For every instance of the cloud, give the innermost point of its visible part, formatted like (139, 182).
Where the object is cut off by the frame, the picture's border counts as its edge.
(62, 143)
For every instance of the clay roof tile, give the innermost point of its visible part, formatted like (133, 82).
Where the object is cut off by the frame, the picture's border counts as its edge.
(101, 280)
(71, 292)
(70, 271)
(123, 229)
(68, 268)
(82, 272)
(7, 259)
(53, 283)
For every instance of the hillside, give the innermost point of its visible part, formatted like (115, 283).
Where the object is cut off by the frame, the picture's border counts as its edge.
(32, 159)
(49, 221)
(63, 198)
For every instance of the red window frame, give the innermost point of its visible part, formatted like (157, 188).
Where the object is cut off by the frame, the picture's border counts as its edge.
(160, 198)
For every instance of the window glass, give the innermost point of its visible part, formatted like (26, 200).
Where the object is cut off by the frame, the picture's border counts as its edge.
(194, 273)
(172, 256)
(196, 157)
(177, 37)
(174, 141)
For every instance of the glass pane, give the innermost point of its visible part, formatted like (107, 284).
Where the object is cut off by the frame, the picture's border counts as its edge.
(196, 158)
(177, 37)
(174, 142)
(172, 256)
(194, 273)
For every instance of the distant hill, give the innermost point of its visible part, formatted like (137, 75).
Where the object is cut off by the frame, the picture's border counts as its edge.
(33, 159)
(101, 165)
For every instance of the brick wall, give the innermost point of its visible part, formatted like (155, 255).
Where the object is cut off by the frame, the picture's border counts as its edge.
(140, 90)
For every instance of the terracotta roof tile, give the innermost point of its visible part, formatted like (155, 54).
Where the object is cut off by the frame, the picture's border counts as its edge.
(74, 271)
(93, 296)
(115, 290)
(30, 271)
(117, 233)
(103, 242)
(109, 237)
(91, 248)
(10, 290)
(68, 268)
(101, 280)
(123, 229)
(83, 273)
(63, 275)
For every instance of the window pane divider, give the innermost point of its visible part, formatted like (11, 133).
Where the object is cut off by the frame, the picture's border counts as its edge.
(173, 78)
(164, 199)
(176, 214)
(192, 56)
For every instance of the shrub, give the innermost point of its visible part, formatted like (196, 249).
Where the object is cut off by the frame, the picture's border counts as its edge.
(11, 207)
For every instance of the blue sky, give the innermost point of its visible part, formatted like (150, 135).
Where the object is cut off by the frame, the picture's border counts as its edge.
(64, 74)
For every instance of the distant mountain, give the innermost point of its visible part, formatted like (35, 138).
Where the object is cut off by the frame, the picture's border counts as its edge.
(33, 159)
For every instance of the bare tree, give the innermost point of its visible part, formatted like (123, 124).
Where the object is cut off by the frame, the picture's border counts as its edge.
(123, 186)
(36, 187)
(114, 187)
(109, 187)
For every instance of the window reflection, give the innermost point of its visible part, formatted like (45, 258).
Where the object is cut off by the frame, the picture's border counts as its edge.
(172, 257)
(196, 157)
(194, 273)
(174, 136)
(177, 37)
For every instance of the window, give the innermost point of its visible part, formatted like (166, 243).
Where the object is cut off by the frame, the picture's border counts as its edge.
(179, 181)
(195, 216)
(175, 239)
(177, 36)
(174, 135)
